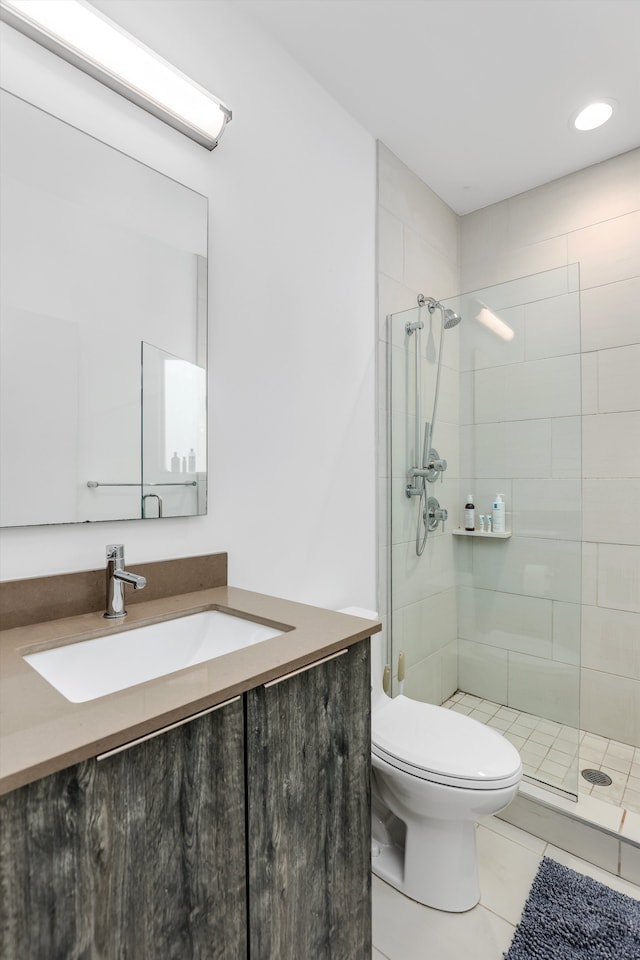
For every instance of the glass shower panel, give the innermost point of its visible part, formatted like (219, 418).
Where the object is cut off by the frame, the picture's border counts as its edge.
(422, 576)
(517, 598)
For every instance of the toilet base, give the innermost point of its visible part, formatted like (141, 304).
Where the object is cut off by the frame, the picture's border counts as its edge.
(453, 885)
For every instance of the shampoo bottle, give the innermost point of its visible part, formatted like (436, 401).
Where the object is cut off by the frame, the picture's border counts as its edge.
(191, 462)
(469, 514)
(175, 463)
(499, 524)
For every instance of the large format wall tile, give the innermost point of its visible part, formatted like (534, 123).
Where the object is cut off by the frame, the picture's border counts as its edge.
(552, 327)
(511, 449)
(566, 631)
(423, 262)
(483, 670)
(479, 272)
(610, 706)
(566, 447)
(429, 625)
(403, 193)
(506, 620)
(424, 680)
(527, 391)
(589, 383)
(619, 577)
(599, 192)
(611, 641)
(547, 508)
(611, 513)
(546, 688)
(618, 379)
(611, 447)
(536, 568)
(609, 314)
(607, 251)
(393, 297)
(390, 245)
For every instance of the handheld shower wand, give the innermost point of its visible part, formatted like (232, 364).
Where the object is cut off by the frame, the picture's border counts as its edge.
(432, 466)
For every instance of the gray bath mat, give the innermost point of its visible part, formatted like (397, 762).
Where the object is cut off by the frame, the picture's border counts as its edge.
(571, 917)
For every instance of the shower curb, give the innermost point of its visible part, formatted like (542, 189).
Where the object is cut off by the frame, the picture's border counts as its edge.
(598, 832)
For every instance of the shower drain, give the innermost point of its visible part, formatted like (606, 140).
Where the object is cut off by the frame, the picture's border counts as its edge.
(597, 777)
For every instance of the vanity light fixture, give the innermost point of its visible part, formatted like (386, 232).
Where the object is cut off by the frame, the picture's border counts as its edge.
(80, 34)
(593, 115)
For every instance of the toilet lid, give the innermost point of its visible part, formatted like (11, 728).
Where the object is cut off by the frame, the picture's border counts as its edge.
(425, 739)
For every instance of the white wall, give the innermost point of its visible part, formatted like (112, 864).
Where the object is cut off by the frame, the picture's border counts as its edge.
(291, 310)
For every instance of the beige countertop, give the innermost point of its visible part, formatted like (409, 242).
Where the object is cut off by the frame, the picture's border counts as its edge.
(41, 731)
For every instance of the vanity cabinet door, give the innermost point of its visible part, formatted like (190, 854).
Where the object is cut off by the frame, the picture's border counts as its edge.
(139, 856)
(308, 826)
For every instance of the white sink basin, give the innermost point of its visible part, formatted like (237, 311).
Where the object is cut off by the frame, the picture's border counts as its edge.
(92, 668)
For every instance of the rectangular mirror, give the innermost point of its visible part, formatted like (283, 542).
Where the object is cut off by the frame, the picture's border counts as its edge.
(98, 254)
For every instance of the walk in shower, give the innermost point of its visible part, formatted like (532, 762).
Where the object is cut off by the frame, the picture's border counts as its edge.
(484, 397)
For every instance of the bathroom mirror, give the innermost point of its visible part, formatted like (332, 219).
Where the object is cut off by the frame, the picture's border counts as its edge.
(98, 255)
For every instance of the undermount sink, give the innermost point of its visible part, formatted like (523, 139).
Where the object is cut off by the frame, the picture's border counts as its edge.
(90, 669)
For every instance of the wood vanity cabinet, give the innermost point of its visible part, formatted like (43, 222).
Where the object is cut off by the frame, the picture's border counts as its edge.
(309, 813)
(242, 833)
(139, 856)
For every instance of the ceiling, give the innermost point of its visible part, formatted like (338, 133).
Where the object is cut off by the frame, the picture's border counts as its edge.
(475, 96)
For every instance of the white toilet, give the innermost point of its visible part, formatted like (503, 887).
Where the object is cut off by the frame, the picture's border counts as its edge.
(435, 772)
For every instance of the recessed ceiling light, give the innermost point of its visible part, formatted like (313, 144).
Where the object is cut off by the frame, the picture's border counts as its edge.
(593, 115)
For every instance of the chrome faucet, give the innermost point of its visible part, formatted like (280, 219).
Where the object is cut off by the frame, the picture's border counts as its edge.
(117, 576)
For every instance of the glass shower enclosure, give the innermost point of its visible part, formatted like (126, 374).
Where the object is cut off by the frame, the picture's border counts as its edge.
(489, 623)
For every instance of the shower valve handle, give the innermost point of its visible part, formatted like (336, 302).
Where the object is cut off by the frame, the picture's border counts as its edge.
(435, 466)
(439, 465)
(435, 514)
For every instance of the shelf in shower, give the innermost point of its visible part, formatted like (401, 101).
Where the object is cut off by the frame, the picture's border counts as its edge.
(480, 533)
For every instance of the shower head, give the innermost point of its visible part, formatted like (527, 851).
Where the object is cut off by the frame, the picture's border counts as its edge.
(450, 319)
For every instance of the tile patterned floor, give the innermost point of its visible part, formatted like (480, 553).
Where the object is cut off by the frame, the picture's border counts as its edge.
(555, 754)
(508, 860)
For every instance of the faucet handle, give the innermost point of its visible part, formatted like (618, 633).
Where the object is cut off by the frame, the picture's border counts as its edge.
(115, 551)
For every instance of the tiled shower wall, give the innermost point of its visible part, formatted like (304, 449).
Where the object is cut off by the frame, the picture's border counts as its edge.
(592, 218)
(418, 242)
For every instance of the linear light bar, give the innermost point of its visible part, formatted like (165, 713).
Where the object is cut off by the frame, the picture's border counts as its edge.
(80, 34)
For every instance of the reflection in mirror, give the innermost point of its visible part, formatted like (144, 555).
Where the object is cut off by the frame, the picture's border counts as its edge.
(97, 254)
(174, 435)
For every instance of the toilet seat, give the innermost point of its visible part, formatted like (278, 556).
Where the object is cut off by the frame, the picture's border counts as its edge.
(442, 746)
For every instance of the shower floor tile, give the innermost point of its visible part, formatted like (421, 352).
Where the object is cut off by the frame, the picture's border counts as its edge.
(555, 754)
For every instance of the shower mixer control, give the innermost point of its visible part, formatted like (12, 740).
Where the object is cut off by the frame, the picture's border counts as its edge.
(435, 514)
(433, 468)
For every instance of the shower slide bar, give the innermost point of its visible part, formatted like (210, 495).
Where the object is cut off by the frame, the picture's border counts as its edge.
(430, 513)
(182, 483)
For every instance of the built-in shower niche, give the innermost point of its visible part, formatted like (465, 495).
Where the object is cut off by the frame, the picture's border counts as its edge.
(174, 435)
(497, 618)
